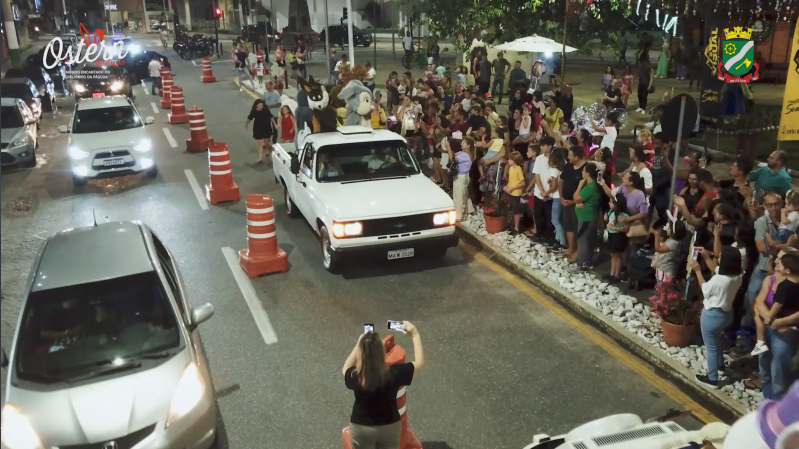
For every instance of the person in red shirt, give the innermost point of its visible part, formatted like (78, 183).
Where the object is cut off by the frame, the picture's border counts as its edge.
(645, 139)
(287, 125)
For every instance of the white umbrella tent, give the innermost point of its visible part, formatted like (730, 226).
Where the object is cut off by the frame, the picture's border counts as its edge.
(536, 44)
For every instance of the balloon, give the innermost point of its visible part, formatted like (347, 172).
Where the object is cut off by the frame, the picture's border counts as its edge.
(621, 116)
(539, 69)
(579, 117)
(596, 113)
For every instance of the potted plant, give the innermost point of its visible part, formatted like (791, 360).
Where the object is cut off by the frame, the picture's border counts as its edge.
(678, 316)
(495, 212)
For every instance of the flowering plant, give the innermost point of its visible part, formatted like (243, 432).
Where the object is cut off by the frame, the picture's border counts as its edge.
(671, 306)
(496, 206)
(352, 73)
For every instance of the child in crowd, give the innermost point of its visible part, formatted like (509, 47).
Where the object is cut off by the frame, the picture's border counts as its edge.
(667, 249)
(463, 76)
(645, 139)
(515, 188)
(525, 128)
(616, 237)
(786, 269)
(287, 125)
(789, 217)
(259, 71)
(466, 103)
(607, 78)
(494, 146)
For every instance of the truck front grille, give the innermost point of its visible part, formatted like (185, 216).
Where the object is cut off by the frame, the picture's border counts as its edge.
(397, 225)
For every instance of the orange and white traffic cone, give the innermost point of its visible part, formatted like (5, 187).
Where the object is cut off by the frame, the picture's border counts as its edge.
(166, 92)
(221, 187)
(394, 354)
(199, 140)
(262, 255)
(208, 73)
(178, 114)
(164, 75)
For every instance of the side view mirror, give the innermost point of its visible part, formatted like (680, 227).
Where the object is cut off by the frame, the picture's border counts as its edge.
(295, 164)
(3, 359)
(201, 314)
(149, 120)
(62, 129)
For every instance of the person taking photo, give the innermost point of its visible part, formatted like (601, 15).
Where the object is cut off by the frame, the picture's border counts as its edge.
(375, 419)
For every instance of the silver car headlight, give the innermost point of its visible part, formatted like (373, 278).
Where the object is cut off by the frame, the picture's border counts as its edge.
(18, 432)
(20, 141)
(144, 146)
(187, 395)
(80, 88)
(116, 85)
(76, 153)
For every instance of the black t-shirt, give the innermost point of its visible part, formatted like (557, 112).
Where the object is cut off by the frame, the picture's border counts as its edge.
(262, 118)
(241, 57)
(566, 104)
(660, 176)
(378, 407)
(787, 294)
(571, 179)
(477, 122)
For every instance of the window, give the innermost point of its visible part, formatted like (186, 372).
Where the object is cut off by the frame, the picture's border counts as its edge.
(169, 271)
(10, 118)
(307, 160)
(365, 161)
(107, 119)
(17, 90)
(84, 331)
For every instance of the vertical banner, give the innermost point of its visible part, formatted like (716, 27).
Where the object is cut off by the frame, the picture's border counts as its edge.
(710, 87)
(789, 120)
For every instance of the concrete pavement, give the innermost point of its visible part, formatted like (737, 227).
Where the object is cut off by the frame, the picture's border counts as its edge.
(501, 367)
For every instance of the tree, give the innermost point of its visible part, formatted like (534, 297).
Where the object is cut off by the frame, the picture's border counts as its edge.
(510, 19)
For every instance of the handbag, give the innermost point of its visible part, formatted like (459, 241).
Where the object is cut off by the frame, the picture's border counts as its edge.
(651, 89)
(637, 229)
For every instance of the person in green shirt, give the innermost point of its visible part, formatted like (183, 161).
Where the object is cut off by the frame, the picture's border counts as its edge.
(772, 178)
(586, 199)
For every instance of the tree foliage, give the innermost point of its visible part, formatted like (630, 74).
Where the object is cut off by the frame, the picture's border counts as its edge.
(510, 19)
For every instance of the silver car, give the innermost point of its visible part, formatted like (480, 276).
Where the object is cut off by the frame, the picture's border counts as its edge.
(17, 133)
(106, 352)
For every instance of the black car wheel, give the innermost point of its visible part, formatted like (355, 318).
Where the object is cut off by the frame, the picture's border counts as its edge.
(367, 44)
(31, 163)
(78, 181)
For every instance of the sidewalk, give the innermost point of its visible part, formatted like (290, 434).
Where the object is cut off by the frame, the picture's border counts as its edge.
(624, 316)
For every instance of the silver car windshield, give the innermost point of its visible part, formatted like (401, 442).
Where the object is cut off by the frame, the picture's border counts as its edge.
(106, 119)
(364, 161)
(11, 118)
(83, 331)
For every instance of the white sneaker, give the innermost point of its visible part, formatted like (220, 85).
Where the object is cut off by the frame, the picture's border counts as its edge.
(760, 348)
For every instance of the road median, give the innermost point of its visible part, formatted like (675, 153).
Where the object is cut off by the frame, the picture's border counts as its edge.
(586, 305)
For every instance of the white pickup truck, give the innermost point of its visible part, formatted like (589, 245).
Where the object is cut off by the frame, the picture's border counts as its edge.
(364, 193)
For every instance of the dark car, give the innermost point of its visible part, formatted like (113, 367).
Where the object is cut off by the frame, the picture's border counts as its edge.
(256, 33)
(58, 72)
(102, 82)
(338, 35)
(25, 90)
(290, 36)
(41, 79)
(136, 64)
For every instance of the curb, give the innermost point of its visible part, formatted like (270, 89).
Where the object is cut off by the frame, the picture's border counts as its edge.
(719, 400)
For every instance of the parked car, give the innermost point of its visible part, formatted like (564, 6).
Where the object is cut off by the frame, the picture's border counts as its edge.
(41, 79)
(107, 138)
(25, 90)
(338, 35)
(339, 182)
(58, 73)
(136, 64)
(17, 133)
(288, 36)
(107, 329)
(103, 82)
(256, 32)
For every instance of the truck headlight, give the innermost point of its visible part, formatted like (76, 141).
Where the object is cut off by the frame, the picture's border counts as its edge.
(187, 394)
(116, 85)
(80, 88)
(144, 146)
(76, 153)
(20, 141)
(351, 229)
(444, 218)
(17, 430)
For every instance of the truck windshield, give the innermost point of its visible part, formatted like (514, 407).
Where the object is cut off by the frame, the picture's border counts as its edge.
(365, 161)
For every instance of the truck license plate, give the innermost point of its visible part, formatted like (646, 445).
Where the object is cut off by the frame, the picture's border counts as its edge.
(400, 254)
(111, 162)
(98, 95)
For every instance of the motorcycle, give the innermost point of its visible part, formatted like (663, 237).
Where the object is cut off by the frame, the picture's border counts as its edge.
(198, 45)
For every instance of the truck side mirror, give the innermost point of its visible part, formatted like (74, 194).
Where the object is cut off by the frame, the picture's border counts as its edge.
(295, 164)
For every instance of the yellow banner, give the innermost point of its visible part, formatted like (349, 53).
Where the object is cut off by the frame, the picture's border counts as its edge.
(789, 120)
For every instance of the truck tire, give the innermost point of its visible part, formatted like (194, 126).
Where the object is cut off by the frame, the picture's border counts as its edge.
(329, 259)
(437, 253)
(291, 208)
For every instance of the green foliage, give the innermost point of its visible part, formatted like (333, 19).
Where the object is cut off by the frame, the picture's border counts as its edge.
(507, 20)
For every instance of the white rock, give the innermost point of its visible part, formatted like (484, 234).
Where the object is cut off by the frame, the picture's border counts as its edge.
(664, 345)
(673, 350)
(606, 310)
(635, 324)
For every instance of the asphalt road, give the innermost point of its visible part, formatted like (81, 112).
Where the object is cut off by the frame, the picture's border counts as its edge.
(501, 367)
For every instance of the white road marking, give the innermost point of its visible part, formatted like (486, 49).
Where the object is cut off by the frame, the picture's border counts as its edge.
(194, 62)
(144, 88)
(250, 297)
(155, 108)
(171, 139)
(198, 192)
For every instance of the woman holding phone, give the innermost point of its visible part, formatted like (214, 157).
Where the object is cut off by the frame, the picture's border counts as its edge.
(375, 419)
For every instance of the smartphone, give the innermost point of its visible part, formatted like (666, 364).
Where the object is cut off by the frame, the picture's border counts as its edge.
(368, 328)
(395, 325)
(695, 255)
